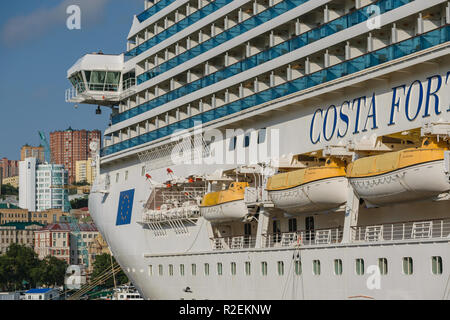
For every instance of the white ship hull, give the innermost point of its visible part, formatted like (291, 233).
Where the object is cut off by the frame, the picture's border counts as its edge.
(413, 183)
(316, 196)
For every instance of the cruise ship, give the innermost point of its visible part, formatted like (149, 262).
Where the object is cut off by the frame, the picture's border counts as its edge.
(276, 149)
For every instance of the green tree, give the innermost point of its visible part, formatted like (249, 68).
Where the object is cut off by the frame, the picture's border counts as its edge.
(101, 264)
(8, 189)
(16, 267)
(52, 271)
(20, 268)
(79, 203)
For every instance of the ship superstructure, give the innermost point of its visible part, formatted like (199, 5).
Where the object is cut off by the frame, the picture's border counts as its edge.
(270, 149)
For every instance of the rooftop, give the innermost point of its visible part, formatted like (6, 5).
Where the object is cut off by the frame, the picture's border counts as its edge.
(21, 225)
(41, 290)
(68, 227)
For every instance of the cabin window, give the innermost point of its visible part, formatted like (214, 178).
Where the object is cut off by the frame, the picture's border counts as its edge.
(233, 268)
(219, 269)
(359, 267)
(264, 268)
(247, 229)
(206, 269)
(248, 268)
(298, 267)
(293, 225)
(407, 265)
(194, 269)
(170, 269)
(233, 141)
(316, 267)
(338, 267)
(161, 271)
(280, 268)
(436, 265)
(182, 270)
(309, 226)
(383, 266)
(262, 136)
(246, 140)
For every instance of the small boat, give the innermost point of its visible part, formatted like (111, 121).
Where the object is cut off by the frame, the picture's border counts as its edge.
(225, 205)
(313, 189)
(394, 177)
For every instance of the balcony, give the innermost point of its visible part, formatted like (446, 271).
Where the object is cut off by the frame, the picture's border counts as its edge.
(295, 43)
(372, 59)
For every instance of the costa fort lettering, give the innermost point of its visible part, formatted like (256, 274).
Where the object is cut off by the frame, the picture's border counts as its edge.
(416, 100)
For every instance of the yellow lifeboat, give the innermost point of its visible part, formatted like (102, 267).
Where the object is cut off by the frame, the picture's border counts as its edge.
(409, 174)
(312, 189)
(225, 205)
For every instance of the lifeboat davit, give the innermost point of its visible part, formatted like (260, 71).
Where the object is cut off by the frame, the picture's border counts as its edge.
(394, 177)
(225, 205)
(314, 189)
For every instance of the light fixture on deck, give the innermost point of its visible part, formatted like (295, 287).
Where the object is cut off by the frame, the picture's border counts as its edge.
(98, 111)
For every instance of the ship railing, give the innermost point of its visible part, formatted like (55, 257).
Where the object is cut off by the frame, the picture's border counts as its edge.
(302, 238)
(234, 243)
(401, 231)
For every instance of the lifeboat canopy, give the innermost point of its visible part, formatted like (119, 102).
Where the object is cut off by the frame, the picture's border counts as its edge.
(98, 79)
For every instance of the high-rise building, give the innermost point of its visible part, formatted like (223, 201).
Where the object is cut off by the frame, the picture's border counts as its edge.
(43, 186)
(28, 151)
(85, 172)
(9, 168)
(68, 147)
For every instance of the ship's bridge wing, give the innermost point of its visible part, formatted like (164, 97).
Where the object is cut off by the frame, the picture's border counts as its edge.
(98, 79)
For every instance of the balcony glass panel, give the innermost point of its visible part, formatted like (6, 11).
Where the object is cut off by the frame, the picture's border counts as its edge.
(372, 59)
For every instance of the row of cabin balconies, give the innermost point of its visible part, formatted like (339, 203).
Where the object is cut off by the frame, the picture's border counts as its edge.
(304, 23)
(374, 40)
(166, 22)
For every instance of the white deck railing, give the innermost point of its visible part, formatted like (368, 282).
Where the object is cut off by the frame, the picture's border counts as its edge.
(402, 231)
(410, 230)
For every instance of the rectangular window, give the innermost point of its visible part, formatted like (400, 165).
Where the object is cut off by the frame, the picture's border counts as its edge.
(436, 265)
(383, 266)
(126, 175)
(293, 225)
(117, 177)
(360, 267)
(248, 268)
(182, 270)
(161, 271)
(407, 265)
(338, 267)
(280, 268)
(219, 269)
(262, 135)
(233, 268)
(143, 171)
(298, 267)
(194, 269)
(316, 267)
(206, 269)
(264, 268)
(233, 141)
(170, 269)
(246, 140)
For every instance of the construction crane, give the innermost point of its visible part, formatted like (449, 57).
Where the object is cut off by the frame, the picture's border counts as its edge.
(73, 222)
